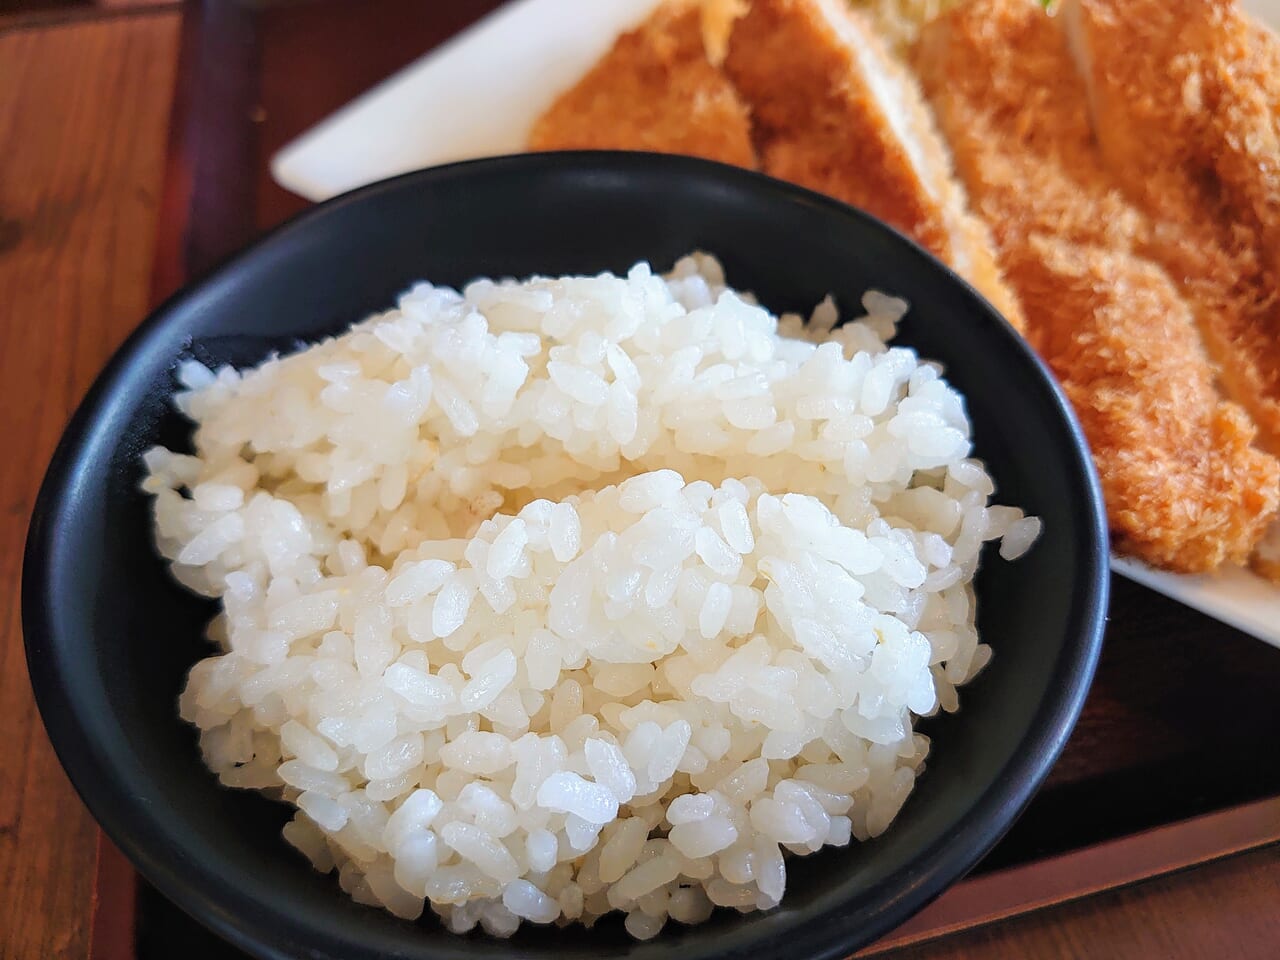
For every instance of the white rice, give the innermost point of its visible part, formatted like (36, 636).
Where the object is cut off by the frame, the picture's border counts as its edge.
(746, 571)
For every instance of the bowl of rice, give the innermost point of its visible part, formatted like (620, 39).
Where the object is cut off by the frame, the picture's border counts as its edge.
(573, 555)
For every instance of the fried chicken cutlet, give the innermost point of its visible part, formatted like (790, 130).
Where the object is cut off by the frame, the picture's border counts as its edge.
(1184, 487)
(1246, 127)
(834, 112)
(1204, 79)
(1183, 109)
(1184, 100)
(655, 90)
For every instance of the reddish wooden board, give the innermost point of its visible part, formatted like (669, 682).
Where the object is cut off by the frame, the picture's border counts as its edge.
(1169, 765)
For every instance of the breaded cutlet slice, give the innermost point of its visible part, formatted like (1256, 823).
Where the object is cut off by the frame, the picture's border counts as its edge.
(655, 90)
(1185, 123)
(999, 79)
(835, 112)
(1185, 488)
(1245, 127)
(1184, 97)
(1186, 90)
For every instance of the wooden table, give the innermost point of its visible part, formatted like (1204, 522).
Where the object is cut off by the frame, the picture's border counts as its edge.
(93, 224)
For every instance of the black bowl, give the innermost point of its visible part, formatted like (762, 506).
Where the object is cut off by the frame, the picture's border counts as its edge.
(110, 636)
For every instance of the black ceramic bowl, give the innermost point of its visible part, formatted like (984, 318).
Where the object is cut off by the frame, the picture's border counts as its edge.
(110, 636)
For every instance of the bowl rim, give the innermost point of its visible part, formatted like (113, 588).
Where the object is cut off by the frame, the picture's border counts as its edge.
(266, 934)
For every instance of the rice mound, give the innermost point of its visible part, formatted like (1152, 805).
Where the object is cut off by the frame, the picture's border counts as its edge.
(746, 571)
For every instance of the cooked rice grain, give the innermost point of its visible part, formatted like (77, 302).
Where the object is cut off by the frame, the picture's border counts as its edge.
(547, 599)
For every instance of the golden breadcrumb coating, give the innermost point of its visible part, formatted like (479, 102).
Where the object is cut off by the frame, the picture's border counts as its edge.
(655, 90)
(1184, 487)
(835, 112)
(1186, 124)
(1184, 97)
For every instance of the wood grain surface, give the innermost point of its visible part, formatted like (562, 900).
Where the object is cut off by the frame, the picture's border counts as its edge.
(1223, 911)
(83, 120)
(83, 113)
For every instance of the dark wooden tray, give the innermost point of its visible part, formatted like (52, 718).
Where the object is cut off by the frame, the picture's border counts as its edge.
(1171, 763)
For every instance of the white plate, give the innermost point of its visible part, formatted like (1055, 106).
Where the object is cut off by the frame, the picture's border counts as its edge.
(477, 96)
(1234, 596)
